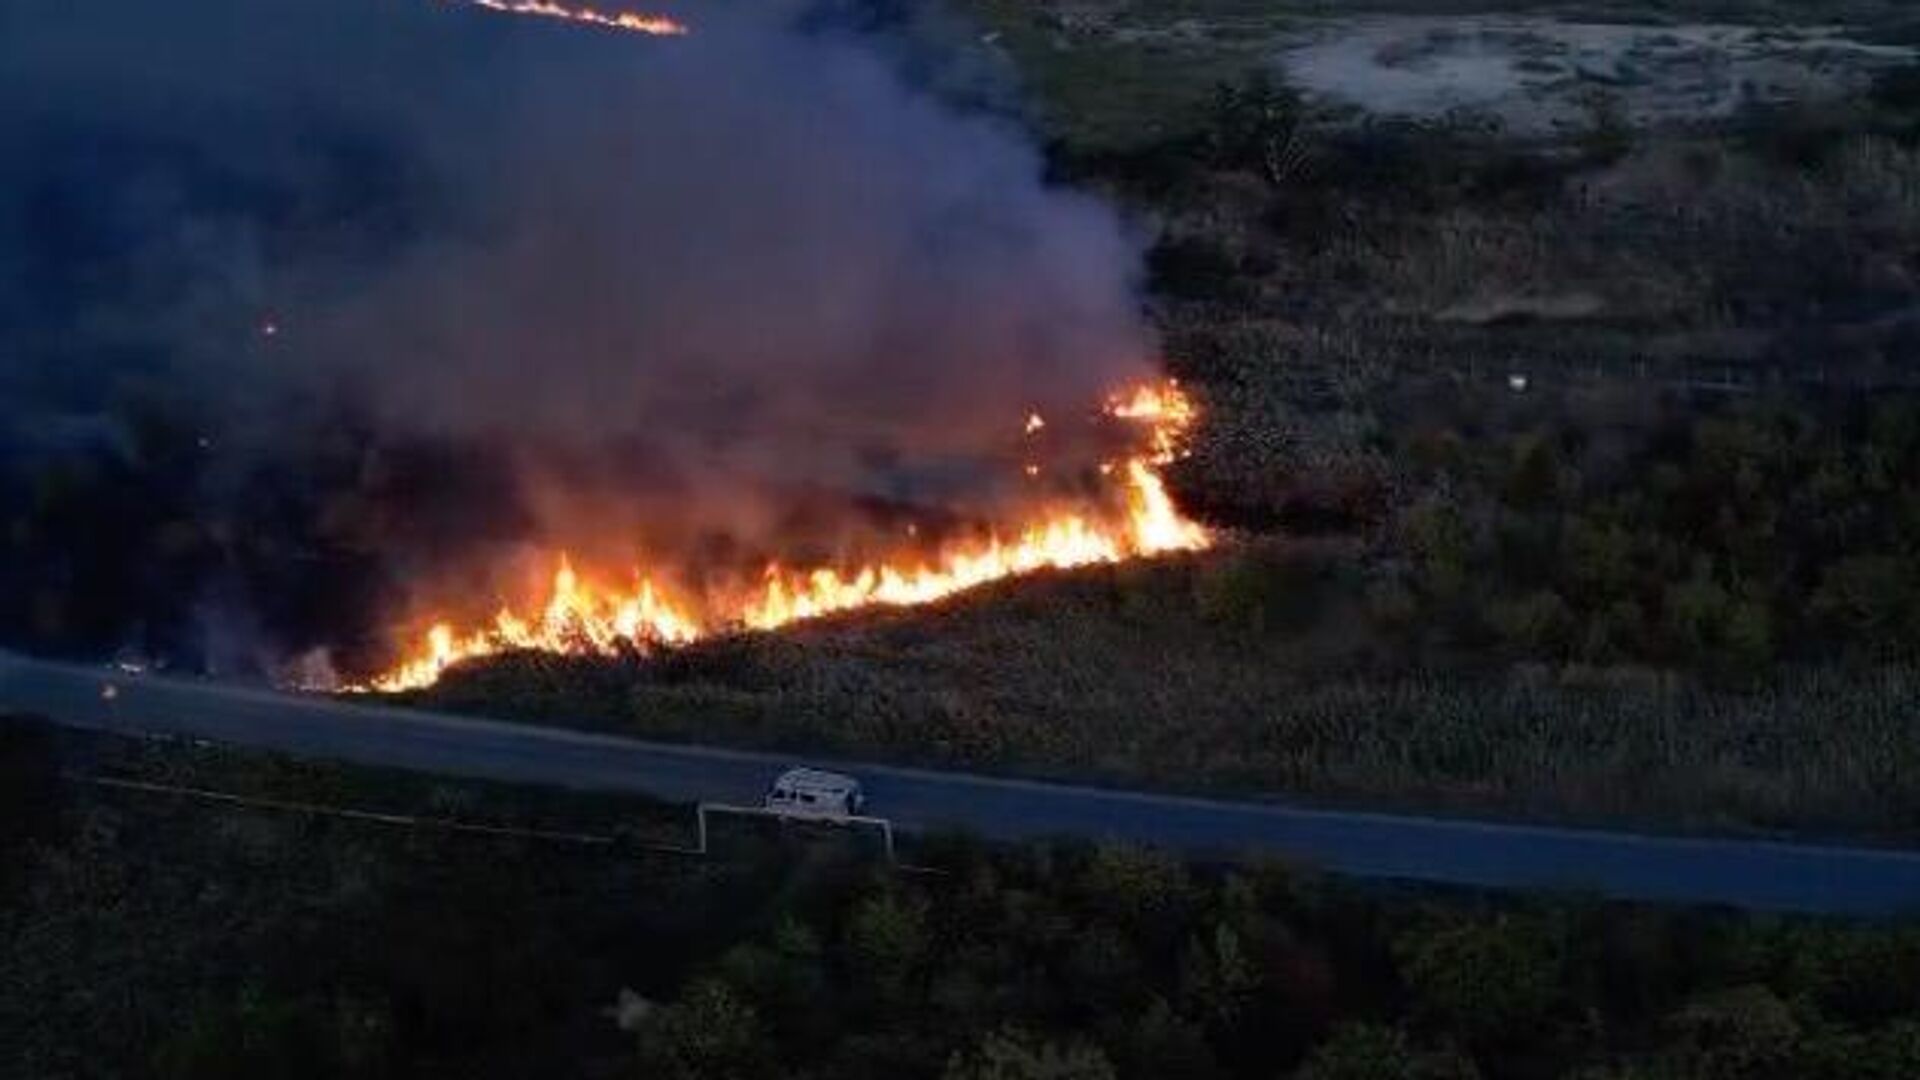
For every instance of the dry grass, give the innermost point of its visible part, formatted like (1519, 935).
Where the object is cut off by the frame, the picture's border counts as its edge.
(1260, 673)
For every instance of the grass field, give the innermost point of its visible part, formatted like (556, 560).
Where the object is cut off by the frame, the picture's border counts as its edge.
(1117, 74)
(1193, 677)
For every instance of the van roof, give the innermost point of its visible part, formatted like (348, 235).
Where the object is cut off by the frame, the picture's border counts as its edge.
(815, 778)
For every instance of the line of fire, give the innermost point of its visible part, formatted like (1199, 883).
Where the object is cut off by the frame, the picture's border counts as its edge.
(1122, 510)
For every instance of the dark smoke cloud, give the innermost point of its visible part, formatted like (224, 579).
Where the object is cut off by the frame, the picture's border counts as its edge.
(668, 282)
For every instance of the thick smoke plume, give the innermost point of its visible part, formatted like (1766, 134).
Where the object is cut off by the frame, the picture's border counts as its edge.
(401, 279)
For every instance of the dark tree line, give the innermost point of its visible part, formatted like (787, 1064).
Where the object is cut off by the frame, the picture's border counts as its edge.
(150, 938)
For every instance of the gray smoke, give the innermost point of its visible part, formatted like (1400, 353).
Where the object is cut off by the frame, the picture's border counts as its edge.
(747, 253)
(674, 287)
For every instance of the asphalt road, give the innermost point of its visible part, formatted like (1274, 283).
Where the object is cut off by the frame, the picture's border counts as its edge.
(1748, 874)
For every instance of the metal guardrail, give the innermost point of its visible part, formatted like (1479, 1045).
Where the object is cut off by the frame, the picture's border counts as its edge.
(350, 814)
(701, 848)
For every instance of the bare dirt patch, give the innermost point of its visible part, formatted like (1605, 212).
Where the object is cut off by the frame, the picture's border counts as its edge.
(1541, 75)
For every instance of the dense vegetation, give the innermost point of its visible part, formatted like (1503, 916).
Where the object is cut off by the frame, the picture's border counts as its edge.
(1258, 672)
(1595, 457)
(150, 936)
(1729, 540)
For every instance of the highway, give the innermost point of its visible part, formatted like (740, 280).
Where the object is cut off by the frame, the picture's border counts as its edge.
(1741, 873)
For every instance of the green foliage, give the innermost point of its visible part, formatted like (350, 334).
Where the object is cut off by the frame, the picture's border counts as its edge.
(1375, 1052)
(1217, 978)
(360, 952)
(1147, 892)
(1734, 1034)
(1011, 1055)
(1437, 537)
(710, 1033)
(886, 944)
(1262, 591)
(1533, 624)
(788, 976)
(1490, 982)
(1727, 539)
(1696, 611)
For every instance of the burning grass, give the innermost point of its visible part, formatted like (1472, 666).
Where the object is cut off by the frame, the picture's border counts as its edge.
(631, 22)
(1134, 518)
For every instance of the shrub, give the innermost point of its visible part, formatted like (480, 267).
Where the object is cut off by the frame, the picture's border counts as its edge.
(1377, 1052)
(1735, 1034)
(709, 1032)
(1493, 982)
(1013, 1055)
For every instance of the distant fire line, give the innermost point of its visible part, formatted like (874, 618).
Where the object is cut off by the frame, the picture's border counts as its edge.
(581, 618)
(657, 25)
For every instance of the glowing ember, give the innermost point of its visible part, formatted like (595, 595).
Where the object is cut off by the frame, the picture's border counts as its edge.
(658, 25)
(583, 618)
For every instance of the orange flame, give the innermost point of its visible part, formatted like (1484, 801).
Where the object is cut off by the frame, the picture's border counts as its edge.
(586, 619)
(1166, 409)
(658, 25)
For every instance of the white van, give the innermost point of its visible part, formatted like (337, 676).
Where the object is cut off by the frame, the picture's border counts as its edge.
(815, 793)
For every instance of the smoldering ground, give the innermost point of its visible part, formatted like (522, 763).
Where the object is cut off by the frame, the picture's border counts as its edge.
(303, 300)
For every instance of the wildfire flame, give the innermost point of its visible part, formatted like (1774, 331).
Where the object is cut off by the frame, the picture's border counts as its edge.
(1165, 409)
(596, 619)
(657, 25)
